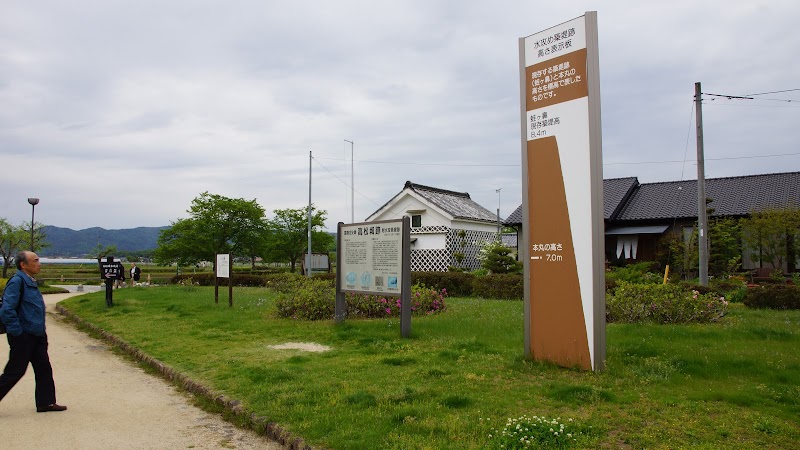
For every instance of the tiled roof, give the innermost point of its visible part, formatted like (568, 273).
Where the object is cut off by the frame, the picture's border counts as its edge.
(457, 204)
(615, 192)
(732, 196)
(624, 199)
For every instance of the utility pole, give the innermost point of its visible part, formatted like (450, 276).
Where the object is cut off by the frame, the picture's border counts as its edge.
(702, 215)
(308, 253)
(352, 186)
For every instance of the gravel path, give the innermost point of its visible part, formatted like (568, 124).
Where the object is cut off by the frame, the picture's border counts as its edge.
(112, 403)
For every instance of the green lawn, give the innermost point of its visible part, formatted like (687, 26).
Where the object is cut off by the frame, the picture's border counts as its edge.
(733, 384)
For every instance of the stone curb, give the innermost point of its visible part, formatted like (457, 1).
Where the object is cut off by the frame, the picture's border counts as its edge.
(233, 407)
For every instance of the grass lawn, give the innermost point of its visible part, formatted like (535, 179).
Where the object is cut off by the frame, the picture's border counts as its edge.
(734, 384)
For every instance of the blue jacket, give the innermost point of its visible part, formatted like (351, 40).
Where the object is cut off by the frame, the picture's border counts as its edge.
(31, 311)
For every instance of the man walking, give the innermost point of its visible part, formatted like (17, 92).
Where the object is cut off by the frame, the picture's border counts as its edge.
(23, 313)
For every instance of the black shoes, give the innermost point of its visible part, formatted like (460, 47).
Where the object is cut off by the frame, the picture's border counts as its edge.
(53, 407)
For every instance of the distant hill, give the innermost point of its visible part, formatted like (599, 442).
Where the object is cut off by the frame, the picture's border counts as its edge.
(68, 242)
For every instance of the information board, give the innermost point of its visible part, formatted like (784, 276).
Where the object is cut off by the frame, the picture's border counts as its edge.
(372, 257)
(223, 266)
(563, 195)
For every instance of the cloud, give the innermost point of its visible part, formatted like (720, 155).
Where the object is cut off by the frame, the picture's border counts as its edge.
(157, 102)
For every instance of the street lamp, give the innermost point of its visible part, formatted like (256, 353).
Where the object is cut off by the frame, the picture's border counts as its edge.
(33, 202)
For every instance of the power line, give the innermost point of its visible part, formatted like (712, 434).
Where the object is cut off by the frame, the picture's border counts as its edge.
(747, 97)
(692, 160)
(430, 164)
(774, 92)
(343, 182)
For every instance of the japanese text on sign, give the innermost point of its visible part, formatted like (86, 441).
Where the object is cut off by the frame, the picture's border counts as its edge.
(554, 43)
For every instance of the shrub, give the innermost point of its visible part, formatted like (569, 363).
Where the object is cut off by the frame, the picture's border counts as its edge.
(309, 299)
(315, 299)
(662, 303)
(773, 296)
(424, 301)
(496, 258)
(639, 273)
(506, 286)
(455, 283)
(283, 282)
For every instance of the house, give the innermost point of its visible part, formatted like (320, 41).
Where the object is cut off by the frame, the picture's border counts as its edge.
(447, 228)
(637, 215)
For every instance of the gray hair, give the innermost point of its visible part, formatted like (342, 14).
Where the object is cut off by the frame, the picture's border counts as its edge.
(21, 258)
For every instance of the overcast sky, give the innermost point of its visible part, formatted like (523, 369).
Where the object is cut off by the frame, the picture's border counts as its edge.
(118, 113)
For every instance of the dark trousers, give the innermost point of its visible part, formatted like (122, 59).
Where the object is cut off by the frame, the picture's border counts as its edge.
(27, 348)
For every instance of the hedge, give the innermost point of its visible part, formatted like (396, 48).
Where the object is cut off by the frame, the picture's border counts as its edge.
(457, 284)
(506, 286)
(773, 296)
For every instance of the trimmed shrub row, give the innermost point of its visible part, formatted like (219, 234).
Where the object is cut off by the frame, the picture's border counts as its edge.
(773, 296)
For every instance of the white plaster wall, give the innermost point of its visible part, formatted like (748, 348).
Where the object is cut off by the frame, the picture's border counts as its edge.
(430, 218)
(477, 226)
(429, 241)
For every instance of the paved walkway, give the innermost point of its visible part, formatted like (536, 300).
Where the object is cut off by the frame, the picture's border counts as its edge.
(113, 404)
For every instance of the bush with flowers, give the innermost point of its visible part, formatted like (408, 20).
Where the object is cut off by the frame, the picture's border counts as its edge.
(537, 432)
(315, 300)
(424, 301)
(663, 303)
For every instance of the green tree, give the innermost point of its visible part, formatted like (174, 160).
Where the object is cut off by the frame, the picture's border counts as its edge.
(680, 251)
(496, 258)
(771, 235)
(16, 238)
(216, 225)
(725, 249)
(287, 234)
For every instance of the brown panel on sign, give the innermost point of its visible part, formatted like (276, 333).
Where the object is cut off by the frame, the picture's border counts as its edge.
(557, 80)
(558, 327)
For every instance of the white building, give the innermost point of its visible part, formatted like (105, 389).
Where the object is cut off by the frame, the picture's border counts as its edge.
(447, 228)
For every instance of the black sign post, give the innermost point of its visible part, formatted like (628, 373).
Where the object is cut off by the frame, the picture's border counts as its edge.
(109, 271)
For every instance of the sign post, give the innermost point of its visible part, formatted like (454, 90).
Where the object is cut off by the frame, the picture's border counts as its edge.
(374, 258)
(224, 267)
(110, 270)
(562, 172)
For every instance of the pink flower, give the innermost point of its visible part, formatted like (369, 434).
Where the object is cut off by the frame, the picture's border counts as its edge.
(388, 310)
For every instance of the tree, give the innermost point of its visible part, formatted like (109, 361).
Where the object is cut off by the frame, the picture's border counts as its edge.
(771, 234)
(496, 258)
(217, 225)
(16, 238)
(725, 254)
(10, 239)
(287, 235)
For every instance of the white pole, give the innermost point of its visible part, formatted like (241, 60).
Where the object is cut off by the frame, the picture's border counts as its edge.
(308, 252)
(499, 235)
(352, 186)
